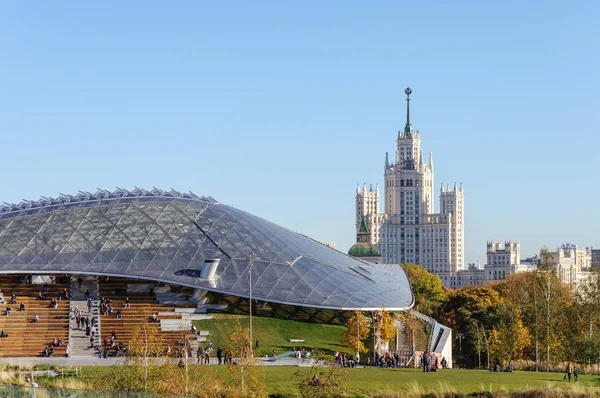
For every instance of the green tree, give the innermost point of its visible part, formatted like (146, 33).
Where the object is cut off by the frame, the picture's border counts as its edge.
(428, 290)
(465, 306)
(357, 331)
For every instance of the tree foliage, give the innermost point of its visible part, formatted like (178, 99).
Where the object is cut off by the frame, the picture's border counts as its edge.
(465, 307)
(248, 378)
(147, 369)
(509, 340)
(530, 315)
(584, 319)
(428, 290)
(357, 331)
(471, 303)
(385, 325)
(142, 368)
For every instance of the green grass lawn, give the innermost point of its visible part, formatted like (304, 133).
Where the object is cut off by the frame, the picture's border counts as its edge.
(284, 381)
(273, 333)
(365, 382)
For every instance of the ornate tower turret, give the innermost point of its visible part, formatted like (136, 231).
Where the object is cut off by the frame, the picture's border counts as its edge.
(408, 127)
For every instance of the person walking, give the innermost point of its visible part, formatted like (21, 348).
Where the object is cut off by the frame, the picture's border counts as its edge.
(425, 362)
(568, 371)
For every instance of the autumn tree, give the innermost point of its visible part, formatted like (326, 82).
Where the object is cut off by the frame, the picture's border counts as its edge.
(511, 338)
(553, 297)
(468, 304)
(142, 368)
(585, 320)
(428, 290)
(190, 381)
(477, 334)
(357, 331)
(247, 377)
(410, 328)
(521, 291)
(384, 321)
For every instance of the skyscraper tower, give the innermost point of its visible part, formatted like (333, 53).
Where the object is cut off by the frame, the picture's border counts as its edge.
(409, 230)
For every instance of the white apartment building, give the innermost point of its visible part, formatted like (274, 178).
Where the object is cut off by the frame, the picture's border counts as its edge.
(409, 230)
(570, 263)
(502, 260)
(583, 255)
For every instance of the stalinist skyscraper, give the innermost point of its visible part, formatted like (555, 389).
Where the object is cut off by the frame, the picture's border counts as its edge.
(409, 230)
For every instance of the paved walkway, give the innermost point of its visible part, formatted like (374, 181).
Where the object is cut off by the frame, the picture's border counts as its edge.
(79, 343)
(87, 360)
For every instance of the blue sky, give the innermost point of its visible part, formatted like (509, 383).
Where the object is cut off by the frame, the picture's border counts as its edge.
(281, 108)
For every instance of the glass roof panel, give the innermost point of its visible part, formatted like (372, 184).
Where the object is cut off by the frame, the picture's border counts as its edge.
(161, 233)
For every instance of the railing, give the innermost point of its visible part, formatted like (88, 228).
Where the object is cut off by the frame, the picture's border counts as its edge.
(28, 392)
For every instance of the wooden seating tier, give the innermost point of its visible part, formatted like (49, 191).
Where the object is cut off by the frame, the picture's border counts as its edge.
(26, 338)
(142, 305)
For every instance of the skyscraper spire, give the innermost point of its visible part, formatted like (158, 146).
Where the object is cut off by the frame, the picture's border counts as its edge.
(408, 127)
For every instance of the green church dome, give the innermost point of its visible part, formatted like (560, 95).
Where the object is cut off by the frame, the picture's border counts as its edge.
(364, 250)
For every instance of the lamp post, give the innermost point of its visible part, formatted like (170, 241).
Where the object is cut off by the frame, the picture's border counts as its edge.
(250, 295)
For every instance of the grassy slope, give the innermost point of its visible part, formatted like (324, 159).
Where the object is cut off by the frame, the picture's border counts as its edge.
(273, 333)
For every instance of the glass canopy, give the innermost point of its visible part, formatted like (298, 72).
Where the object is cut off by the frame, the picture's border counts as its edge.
(167, 236)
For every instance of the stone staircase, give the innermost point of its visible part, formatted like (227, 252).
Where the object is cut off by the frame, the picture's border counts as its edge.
(185, 316)
(79, 343)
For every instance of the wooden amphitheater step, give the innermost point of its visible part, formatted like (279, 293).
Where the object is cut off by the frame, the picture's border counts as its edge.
(25, 337)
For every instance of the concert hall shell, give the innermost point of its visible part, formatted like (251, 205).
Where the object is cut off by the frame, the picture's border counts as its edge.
(168, 236)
